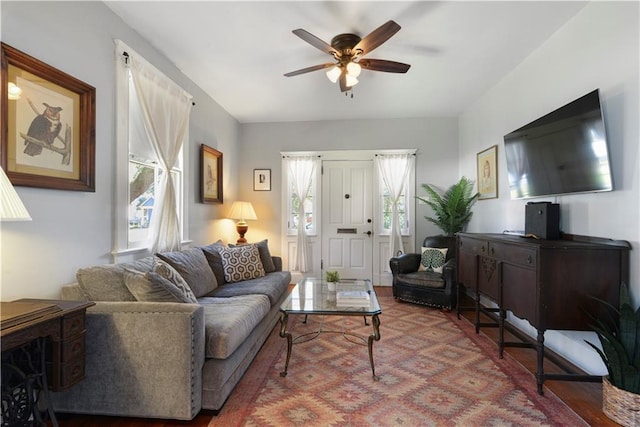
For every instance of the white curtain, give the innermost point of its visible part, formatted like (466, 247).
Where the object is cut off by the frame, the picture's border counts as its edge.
(395, 170)
(301, 171)
(165, 108)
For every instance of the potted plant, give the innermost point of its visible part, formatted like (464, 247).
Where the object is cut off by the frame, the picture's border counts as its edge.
(452, 208)
(332, 278)
(619, 338)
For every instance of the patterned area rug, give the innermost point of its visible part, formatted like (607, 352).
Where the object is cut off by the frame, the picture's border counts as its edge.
(434, 371)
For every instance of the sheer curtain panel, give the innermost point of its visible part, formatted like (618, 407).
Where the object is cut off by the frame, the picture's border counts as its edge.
(165, 109)
(395, 170)
(301, 170)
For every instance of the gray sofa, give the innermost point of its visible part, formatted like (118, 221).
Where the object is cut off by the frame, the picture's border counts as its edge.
(171, 359)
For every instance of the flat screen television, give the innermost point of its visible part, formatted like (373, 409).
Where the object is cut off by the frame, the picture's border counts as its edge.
(563, 152)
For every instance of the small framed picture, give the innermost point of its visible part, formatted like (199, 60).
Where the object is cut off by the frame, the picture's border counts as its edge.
(262, 180)
(488, 173)
(210, 175)
(47, 125)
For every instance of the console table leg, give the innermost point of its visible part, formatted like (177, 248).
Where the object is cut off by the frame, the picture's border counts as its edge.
(502, 314)
(477, 311)
(540, 367)
(284, 334)
(374, 337)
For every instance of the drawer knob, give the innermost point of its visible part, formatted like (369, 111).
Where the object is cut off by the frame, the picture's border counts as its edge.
(529, 259)
(492, 251)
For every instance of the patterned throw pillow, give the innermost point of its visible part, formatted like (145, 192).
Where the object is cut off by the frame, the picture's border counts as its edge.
(433, 259)
(162, 284)
(241, 263)
(265, 255)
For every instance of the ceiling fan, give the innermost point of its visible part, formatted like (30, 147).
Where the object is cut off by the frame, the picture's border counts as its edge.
(348, 50)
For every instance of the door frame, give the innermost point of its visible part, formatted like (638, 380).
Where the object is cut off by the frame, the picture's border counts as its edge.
(381, 273)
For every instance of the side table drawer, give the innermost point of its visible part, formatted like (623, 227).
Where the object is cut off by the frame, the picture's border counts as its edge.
(72, 325)
(71, 373)
(73, 349)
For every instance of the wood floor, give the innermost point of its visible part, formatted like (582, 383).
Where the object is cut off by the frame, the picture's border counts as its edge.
(584, 398)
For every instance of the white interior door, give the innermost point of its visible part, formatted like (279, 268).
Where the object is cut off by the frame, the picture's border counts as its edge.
(347, 218)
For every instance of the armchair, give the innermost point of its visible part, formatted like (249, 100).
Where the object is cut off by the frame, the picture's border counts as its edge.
(426, 287)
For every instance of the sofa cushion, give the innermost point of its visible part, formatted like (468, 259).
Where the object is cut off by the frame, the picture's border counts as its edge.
(194, 268)
(164, 284)
(241, 263)
(273, 285)
(265, 255)
(229, 321)
(427, 279)
(215, 260)
(106, 282)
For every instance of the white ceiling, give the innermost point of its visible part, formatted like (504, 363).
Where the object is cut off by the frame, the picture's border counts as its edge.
(238, 51)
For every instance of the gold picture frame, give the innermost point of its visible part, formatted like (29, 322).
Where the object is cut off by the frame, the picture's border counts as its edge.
(487, 167)
(48, 125)
(210, 175)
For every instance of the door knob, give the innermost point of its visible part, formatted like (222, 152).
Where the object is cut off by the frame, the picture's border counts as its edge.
(368, 233)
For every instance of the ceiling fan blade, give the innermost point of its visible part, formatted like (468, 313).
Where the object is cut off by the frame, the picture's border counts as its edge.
(315, 41)
(384, 65)
(310, 69)
(376, 37)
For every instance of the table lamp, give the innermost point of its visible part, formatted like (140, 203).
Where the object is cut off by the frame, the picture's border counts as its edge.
(11, 207)
(242, 211)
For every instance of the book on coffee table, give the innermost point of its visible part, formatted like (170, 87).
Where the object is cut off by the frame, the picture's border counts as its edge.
(352, 298)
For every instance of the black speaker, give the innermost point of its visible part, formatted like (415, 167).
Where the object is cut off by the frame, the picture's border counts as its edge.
(542, 220)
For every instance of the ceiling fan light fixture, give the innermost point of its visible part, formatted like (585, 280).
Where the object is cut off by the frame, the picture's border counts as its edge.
(334, 74)
(351, 81)
(353, 69)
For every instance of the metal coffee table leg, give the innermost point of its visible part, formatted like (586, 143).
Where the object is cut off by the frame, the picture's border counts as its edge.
(284, 334)
(374, 337)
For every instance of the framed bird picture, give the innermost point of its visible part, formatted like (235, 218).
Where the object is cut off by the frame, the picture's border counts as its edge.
(210, 175)
(48, 125)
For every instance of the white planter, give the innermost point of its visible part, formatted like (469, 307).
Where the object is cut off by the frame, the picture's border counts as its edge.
(331, 286)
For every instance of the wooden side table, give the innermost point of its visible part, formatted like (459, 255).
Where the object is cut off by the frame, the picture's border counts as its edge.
(42, 348)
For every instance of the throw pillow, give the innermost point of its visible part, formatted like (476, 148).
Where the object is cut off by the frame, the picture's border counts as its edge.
(265, 255)
(152, 286)
(214, 260)
(241, 263)
(433, 259)
(192, 265)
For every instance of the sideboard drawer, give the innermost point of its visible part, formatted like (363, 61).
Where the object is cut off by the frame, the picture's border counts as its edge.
(513, 254)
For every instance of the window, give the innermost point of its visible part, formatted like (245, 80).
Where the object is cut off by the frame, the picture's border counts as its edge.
(141, 198)
(305, 170)
(386, 203)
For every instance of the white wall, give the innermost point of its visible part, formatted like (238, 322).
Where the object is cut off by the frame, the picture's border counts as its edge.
(598, 48)
(436, 161)
(74, 229)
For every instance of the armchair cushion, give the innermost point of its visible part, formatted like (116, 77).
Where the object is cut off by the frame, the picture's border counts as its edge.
(428, 279)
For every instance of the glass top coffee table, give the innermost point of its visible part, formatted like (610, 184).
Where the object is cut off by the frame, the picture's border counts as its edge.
(313, 297)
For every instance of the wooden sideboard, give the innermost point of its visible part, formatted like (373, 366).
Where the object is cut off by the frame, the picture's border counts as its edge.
(42, 348)
(549, 283)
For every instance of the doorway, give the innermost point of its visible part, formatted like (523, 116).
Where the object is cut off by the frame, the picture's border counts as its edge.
(347, 218)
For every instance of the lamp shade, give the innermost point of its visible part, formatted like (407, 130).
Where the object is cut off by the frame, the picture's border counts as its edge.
(11, 207)
(242, 211)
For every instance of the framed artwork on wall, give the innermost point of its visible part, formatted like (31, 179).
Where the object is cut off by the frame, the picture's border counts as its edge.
(210, 175)
(487, 167)
(262, 180)
(47, 125)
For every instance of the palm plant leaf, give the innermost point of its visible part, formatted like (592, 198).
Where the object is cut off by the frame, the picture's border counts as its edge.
(452, 208)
